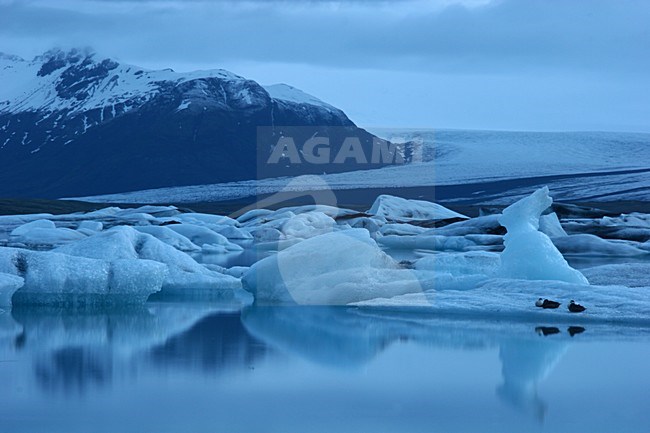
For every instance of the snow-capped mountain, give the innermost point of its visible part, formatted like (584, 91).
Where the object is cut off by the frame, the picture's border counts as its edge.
(72, 123)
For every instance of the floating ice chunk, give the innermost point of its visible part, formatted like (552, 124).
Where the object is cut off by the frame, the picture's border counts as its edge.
(113, 244)
(307, 225)
(488, 225)
(433, 242)
(37, 224)
(232, 232)
(44, 233)
(92, 226)
(401, 230)
(151, 210)
(15, 221)
(626, 274)
(330, 211)
(54, 278)
(590, 245)
(373, 225)
(253, 215)
(203, 236)
(508, 298)
(403, 210)
(470, 263)
(170, 236)
(529, 254)
(214, 249)
(8, 285)
(331, 269)
(126, 242)
(206, 219)
(266, 234)
(237, 271)
(550, 225)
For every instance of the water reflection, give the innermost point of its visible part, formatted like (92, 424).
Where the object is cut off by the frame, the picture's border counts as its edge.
(524, 364)
(216, 343)
(71, 352)
(343, 337)
(73, 370)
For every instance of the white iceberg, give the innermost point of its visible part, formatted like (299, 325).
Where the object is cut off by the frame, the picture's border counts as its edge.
(550, 225)
(121, 242)
(530, 254)
(331, 269)
(307, 225)
(36, 224)
(399, 209)
(44, 233)
(206, 219)
(170, 237)
(202, 236)
(93, 226)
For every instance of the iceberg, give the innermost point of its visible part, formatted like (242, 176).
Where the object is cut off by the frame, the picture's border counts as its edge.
(206, 219)
(331, 269)
(458, 264)
(590, 245)
(627, 274)
(530, 254)
(550, 225)
(399, 209)
(8, 286)
(170, 237)
(307, 225)
(202, 236)
(123, 242)
(37, 224)
(43, 233)
(51, 277)
(514, 299)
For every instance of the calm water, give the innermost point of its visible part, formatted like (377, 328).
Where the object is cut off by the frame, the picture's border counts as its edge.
(205, 367)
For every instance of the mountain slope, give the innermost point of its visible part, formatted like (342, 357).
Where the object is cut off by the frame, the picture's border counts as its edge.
(73, 124)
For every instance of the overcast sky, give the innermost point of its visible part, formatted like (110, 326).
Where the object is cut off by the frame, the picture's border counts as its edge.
(479, 64)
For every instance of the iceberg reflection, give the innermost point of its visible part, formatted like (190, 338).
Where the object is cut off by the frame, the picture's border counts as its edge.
(71, 352)
(346, 338)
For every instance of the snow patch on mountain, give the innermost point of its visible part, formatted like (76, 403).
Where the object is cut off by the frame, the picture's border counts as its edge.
(284, 92)
(76, 81)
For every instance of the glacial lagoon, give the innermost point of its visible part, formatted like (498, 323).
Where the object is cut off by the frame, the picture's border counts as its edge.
(317, 319)
(215, 366)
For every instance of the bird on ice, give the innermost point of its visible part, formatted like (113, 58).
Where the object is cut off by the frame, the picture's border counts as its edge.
(546, 303)
(576, 308)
